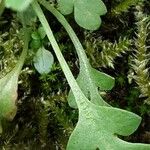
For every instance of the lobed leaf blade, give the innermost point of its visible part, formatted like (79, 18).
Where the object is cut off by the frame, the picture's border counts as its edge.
(86, 12)
(100, 125)
(98, 79)
(65, 6)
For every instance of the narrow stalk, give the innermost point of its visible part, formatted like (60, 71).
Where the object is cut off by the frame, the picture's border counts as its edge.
(84, 63)
(81, 53)
(80, 98)
(25, 47)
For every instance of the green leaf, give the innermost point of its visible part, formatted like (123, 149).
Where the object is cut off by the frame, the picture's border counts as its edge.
(35, 44)
(87, 12)
(98, 127)
(95, 79)
(65, 6)
(9, 86)
(102, 80)
(43, 61)
(18, 5)
(8, 95)
(36, 40)
(35, 36)
(41, 32)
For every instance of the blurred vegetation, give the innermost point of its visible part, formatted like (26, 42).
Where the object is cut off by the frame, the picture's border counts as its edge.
(120, 48)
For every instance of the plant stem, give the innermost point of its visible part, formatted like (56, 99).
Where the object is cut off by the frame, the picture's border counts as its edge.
(25, 47)
(79, 96)
(84, 63)
(73, 36)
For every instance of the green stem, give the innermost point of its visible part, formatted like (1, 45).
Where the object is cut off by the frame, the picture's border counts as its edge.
(84, 63)
(74, 38)
(79, 96)
(25, 47)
